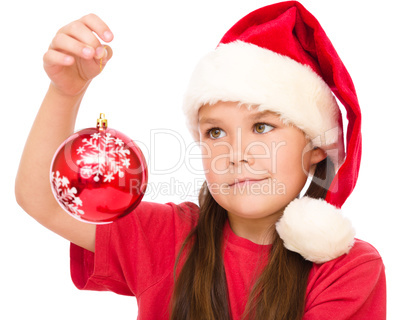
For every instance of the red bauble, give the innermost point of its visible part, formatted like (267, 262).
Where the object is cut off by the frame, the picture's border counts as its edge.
(98, 174)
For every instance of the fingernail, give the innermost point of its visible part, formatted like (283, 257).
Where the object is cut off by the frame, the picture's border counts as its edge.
(100, 52)
(68, 59)
(87, 51)
(107, 35)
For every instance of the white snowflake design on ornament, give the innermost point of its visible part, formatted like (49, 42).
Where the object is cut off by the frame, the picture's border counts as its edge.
(103, 155)
(66, 195)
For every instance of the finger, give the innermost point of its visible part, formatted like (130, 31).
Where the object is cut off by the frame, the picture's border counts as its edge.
(53, 57)
(104, 52)
(97, 25)
(106, 55)
(65, 43)
(80, 32)
(109, 53)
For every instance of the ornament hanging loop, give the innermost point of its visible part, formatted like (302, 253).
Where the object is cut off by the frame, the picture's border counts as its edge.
(101, 123)
(100, 62)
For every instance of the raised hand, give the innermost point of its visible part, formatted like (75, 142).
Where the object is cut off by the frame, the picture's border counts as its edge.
(75, 54)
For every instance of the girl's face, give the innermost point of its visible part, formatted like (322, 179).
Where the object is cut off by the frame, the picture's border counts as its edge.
(245, 144)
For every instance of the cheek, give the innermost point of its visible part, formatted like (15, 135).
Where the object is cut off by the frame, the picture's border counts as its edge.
(289, 168)
(215, 162)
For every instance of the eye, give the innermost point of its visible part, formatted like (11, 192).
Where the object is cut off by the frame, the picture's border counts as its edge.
(263, 127)
(214, 133)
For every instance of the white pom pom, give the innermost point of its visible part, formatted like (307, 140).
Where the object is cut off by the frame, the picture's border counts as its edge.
(315, 229)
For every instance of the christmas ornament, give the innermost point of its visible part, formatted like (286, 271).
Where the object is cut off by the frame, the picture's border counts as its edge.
(98, 174)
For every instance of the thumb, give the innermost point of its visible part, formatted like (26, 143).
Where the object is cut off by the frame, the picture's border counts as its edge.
(103, 55)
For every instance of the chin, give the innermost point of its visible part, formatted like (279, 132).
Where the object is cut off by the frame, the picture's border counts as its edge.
(253, 210)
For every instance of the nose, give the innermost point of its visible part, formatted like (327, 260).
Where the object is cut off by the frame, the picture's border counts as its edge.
(241, 151)
(233, 163)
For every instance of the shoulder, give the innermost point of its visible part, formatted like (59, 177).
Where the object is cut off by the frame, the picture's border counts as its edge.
(185, 211)
(361, 267)
(164, 211)
(363, 250)
(354, 282)
(158, 220)
(362, 253)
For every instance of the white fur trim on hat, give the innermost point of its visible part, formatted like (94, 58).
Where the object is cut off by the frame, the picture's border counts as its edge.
(248, 74)
(316, 230)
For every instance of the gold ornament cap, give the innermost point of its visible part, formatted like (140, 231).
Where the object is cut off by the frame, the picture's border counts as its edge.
(101, 123)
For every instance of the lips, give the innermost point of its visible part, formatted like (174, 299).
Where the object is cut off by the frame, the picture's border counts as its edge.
(245, 181)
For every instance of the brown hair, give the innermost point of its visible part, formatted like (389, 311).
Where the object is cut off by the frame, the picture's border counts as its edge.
(200, 290)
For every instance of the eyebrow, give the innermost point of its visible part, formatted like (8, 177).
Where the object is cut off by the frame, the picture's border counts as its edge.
(251, 117)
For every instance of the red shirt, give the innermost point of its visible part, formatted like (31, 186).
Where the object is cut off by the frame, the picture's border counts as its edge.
(136, 254)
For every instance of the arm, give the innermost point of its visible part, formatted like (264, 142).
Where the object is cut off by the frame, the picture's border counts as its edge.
(71, 62)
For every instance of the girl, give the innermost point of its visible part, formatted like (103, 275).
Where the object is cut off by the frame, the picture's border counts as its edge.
(262, 108)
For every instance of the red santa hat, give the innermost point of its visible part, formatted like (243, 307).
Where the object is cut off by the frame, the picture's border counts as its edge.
(280, 59)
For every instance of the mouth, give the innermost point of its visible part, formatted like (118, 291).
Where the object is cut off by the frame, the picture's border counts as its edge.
(241, 182)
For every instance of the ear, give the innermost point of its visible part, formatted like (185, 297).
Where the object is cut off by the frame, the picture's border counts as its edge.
(317, 155)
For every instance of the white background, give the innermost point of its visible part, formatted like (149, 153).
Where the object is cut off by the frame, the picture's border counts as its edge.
(156, 46)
